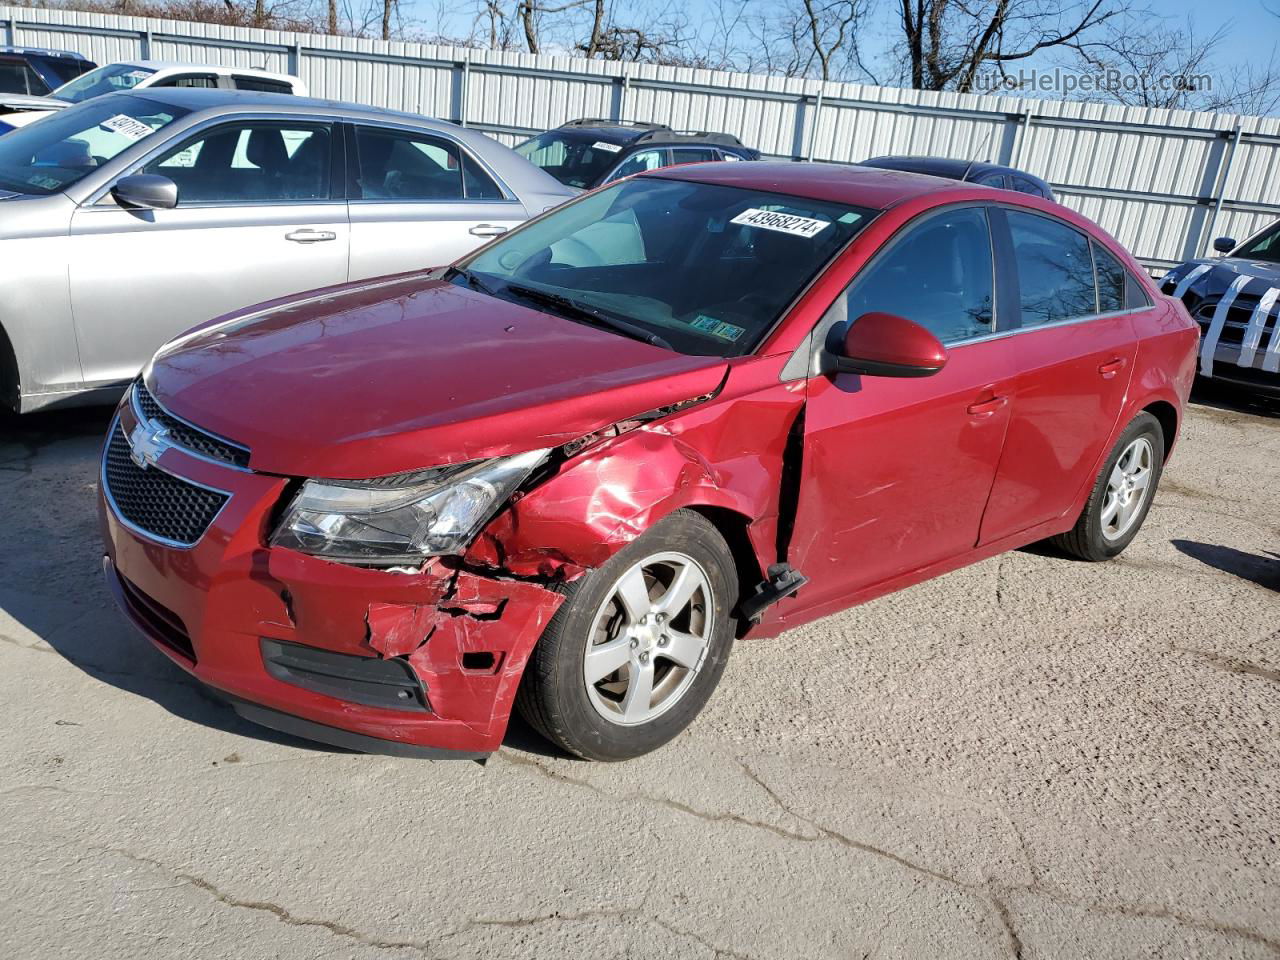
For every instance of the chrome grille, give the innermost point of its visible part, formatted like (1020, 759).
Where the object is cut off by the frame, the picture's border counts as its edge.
(154, 502)
(187, 436)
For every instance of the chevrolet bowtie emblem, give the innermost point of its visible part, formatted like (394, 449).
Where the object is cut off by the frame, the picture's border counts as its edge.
(147, 443)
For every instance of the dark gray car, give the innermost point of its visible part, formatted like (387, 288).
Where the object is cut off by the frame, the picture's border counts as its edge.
(1234, 299)
(126, 219)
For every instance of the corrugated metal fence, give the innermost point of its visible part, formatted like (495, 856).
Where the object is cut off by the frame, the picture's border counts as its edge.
(1164, 182)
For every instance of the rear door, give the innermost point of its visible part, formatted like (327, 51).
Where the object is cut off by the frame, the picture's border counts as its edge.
(419, 200)
(1074, 361)
(256, 219)
(896, 472)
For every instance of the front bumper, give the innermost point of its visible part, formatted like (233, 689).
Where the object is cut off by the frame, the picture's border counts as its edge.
(215, 606)
(1260, 373)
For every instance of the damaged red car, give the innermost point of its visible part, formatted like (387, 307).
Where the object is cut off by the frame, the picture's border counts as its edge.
(568, 472)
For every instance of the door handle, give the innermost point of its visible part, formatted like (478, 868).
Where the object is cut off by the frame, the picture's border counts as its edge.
(307, 235)
(985, 408)
(1112, 367)
(487, 230)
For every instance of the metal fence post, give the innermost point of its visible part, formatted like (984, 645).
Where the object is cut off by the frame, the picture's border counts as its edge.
(463, 80)
(295, 59)
(144, 42)
(10, 34)
(618, 104)
(1224, 165)
(813, 126)
(1024, 134)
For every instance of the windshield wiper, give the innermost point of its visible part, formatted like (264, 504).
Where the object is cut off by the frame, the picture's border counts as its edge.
(473, 281)
(580, 311)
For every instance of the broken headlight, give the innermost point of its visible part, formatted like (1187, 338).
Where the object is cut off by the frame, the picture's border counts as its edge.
(401, 519)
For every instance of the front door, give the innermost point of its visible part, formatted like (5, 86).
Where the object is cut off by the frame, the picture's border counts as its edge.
(1075, 351)
(896, 472)
(254, 221)
(420, 201)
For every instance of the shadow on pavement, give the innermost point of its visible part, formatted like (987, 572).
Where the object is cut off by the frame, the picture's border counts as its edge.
(1262, 569)
(1232, 399)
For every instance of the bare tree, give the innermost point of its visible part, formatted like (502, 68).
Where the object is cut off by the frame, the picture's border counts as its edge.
(1155, 65)
(946, 44)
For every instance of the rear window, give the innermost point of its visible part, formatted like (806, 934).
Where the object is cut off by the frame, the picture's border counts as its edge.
(113, 78)
(261, 85)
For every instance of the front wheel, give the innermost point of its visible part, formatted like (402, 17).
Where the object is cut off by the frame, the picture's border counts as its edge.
(633, 654)
(1122, 494)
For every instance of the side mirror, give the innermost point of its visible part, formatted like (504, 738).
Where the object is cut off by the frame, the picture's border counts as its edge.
(1224, 244)
(146, 191)
(885, 345)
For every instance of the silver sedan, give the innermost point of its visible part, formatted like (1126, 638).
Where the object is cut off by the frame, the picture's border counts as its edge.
(132, 217)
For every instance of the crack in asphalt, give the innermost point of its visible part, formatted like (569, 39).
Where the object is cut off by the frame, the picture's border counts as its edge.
(274, 909)
(1231, 664)
(993, 894)
(616, 913)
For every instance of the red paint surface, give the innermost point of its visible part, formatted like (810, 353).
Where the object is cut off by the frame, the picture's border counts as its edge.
(902, 479)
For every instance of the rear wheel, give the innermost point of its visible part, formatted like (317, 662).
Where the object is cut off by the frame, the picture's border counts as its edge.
(1122, 494)
(634, 653)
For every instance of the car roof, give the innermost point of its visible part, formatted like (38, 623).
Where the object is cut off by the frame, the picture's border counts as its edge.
(165, 65)
(854, 185)
(946, 167)
(44, 52)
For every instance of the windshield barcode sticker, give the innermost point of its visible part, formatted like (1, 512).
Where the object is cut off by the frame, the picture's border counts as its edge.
(606, 147)
(782, 222)
(127, 126)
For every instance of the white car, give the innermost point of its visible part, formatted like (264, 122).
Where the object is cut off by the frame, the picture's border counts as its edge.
(18, 111)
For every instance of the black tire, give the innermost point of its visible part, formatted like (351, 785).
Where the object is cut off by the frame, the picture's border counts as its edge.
(1086, 539)
(553, 694)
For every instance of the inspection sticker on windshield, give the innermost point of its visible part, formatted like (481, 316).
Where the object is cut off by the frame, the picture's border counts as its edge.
(127, 126)
(606, 147)
(717, 328)
(48, 183)
(782, 222)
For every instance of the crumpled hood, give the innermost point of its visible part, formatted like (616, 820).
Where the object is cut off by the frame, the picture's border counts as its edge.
(1221, 273)
(405, 373)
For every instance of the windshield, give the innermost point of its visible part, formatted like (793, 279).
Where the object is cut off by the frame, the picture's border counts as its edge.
(113, 78)
(1265, 247)
(704, 269)
(573, 161)
(63, 148)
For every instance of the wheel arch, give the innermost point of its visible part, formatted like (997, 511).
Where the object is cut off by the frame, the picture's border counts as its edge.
(1166, 415)
(10, 379)
(735, 527)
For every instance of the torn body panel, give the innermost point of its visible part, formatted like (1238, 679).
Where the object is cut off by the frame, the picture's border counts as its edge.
(724, 455)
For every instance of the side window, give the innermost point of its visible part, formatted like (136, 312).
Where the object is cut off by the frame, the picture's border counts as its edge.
(250, 163)
(16, 76)
(694, 155)
(991, 180)
(1023, 185)
(938, 274)
(1135, 296)
(478, 184)
(261, 85)
(201, 81)
(639, 162)
(1055, 269)
(398, 165)
(1110, 275)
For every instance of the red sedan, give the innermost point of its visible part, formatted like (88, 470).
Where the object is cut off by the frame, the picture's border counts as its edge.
(569, 471)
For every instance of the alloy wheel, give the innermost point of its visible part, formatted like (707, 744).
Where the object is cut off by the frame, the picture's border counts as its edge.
(649, 638)
(1127, 489)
